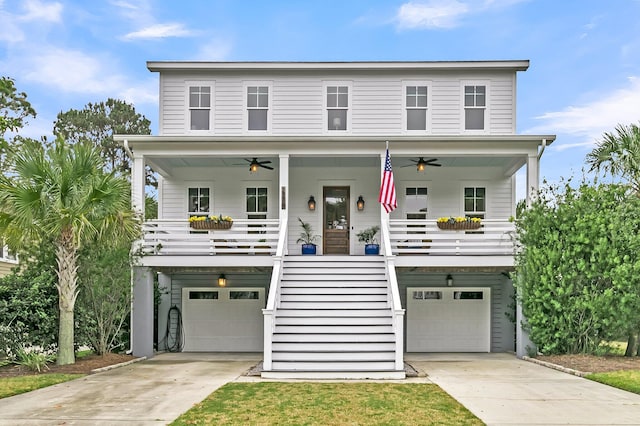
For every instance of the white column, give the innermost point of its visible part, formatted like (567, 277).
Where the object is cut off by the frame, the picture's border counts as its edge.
(138, 184)
(533, 171)
(142, 312)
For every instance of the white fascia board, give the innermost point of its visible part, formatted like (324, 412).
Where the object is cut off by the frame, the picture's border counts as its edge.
(160, 66)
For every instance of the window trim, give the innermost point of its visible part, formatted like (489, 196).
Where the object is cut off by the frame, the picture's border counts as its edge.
(245, 115)
(198, 185)
(486, 198)
(416, 83)
(256, 185)
(414, 184)
(487, 108)
(325, 109)
(187, 110)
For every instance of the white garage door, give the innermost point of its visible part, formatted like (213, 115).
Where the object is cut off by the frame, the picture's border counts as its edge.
(448, 319)
(222, 319)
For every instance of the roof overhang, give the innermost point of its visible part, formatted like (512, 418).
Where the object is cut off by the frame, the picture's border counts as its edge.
(512, 65)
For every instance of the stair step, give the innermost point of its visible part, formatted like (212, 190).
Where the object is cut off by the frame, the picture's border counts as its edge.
(363, 298)
(332, 338)
(331, 284)
(333, 346)
(334, 329)
(343, 269)
(332, 321)
(334, 290)
(331, 277)
(314, 312)
(332, 305)
(333, 366)
(335, 375)
(334, 356)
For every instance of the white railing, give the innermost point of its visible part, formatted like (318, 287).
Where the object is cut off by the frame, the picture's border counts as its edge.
(273, 300)
(422, 237)
(394, 295)
(176, 238)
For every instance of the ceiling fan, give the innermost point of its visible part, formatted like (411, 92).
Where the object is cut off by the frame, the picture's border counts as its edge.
(421, 163)
(254, 164)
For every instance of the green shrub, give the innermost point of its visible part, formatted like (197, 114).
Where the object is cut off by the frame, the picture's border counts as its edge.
(34, 360)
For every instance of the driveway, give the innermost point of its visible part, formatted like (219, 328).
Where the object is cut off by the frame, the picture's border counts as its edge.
(503, 390)
(151, 392)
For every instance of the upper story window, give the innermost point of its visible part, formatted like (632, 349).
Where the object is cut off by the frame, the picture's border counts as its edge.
(256, 202)
(337, 107)
(199, 107)
(415, 202)
(416, 103)
(257, 107)
(475, 105)
(199, 201)
(475, 201)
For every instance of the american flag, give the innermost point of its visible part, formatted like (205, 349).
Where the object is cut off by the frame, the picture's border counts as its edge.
(387, 195)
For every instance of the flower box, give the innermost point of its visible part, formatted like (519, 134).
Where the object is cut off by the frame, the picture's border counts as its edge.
(209, 224)
(457, 226)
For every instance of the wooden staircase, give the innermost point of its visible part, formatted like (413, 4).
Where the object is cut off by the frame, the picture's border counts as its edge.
(334, 320)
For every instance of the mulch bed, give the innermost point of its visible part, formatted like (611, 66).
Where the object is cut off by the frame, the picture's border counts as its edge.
(82, 365)
(592, 363)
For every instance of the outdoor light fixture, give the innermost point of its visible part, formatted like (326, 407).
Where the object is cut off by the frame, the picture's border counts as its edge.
(360, 203)
(253, 167)
(420, 165)
(449, 280)
(311, 203)
(222, 281)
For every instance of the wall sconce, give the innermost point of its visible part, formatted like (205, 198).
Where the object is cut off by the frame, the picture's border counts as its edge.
(360, 203)
(222, 281)
(449, 280)
(311, 203)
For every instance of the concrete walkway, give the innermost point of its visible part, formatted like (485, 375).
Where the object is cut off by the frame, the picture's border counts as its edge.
(503, 390)
(151, 392)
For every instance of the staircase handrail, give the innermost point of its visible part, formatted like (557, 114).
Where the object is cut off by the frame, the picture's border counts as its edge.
(391, 270)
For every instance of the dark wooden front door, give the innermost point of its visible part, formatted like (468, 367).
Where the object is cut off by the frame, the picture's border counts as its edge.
(336, 220)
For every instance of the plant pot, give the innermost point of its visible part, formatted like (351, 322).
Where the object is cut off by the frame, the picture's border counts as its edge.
(209, 224)
(309, 249)
(373, 249)
(457, 226)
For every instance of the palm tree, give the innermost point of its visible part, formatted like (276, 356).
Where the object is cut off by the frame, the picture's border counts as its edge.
(618, 154)
(63, 195)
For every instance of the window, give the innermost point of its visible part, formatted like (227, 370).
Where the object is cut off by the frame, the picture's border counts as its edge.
(337, 107)
(416, 103)
(475, 202)
(415, 202)
(475, 103)
(257, 107)
(199, 201)
(200, 107)
(244, 295)
(468, 295)
(257, 203)
(203, 295)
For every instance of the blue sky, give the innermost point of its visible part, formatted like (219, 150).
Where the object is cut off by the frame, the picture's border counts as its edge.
(584, 76)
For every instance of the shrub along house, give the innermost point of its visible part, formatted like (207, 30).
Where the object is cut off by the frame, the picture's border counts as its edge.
(266, 143)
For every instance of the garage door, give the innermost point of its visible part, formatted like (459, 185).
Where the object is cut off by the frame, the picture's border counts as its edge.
(222, 319)
(448, 319)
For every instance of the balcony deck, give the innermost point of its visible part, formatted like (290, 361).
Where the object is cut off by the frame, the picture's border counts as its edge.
(415, 244)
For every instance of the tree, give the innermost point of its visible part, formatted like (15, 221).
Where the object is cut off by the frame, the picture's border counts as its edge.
(64, 195)
(14, 110)
(618, 154)
(97, 123)
(578, 271)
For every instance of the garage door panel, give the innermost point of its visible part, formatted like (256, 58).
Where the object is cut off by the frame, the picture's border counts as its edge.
(230, 322)
(448, 319)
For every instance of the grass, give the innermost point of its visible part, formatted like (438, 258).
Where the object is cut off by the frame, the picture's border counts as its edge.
(10, 386)
(271, 403)
(628, 380)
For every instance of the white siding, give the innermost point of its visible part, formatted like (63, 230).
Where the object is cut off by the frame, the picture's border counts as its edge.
(297, 102)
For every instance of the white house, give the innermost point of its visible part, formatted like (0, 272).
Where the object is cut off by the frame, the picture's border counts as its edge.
(267, 143)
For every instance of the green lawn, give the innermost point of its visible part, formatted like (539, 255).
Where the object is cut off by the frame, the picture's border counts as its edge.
(628, 380)
(278, 403)
(10, 386)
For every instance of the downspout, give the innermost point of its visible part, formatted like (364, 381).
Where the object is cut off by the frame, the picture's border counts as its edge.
(544, 145)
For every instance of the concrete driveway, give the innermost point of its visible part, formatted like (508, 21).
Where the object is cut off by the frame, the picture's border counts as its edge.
(151, 392)
(503, 390)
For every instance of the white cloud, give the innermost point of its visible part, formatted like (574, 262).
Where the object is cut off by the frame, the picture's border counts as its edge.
(159, 31)
(216, 50)
(589, 121)
(36, 10)
(434, 14)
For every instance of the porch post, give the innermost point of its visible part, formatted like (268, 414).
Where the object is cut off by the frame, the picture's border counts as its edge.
(533, 167)
(142, 311)
(283, 207)
(138, 184)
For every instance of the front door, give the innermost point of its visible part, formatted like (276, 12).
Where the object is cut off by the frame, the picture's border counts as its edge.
(336, 220)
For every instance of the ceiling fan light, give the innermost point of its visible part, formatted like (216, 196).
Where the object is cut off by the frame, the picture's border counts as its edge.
(253, 167)
(420, 166)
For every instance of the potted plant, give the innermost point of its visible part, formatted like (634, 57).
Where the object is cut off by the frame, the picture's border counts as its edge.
(458, 223)
(368, 237)
(307, 238)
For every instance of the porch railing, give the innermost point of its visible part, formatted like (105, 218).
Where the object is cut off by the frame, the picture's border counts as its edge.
(394, 296)
(176, 238)
(423, 237)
